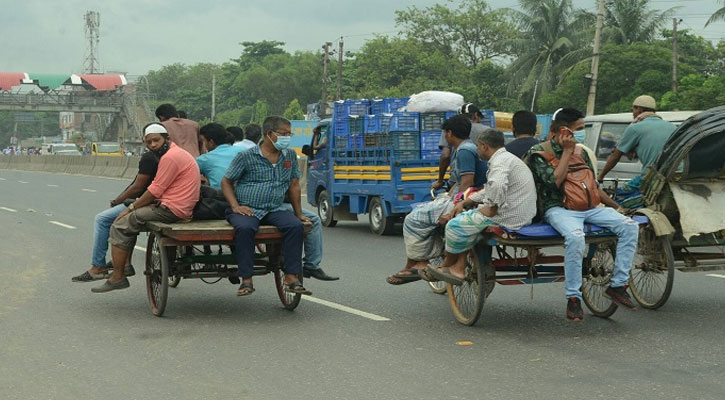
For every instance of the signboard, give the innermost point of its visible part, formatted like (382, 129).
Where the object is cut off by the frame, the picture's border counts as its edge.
(302, 133)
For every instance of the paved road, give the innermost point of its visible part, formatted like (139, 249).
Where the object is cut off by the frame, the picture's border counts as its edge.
(60, 341)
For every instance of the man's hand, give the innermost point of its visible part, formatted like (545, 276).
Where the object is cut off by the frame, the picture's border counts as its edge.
(458, 209)
(114, 203)
(488, 211)
(303, 218)
(437, 185)
(443, 220)
(123, 213)
(567, 142)
(243, 210)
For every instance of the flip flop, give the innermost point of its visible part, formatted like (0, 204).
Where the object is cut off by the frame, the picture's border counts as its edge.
(412, 275)
(245, 289)
(89, 277)
(443, 274)
(297, 288)
(426, 276)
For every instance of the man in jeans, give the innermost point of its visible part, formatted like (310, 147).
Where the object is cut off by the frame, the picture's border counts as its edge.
(255, 186)
(549, 182)
(147, 167)
(171, 197)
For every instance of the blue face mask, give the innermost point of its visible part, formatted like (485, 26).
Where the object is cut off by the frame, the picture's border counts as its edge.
(282, 142)
(580, 136)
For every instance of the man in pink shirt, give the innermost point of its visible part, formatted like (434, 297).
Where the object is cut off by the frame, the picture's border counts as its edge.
(171, 197)
(182, 131)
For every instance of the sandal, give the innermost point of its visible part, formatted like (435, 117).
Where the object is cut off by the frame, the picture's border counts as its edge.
(444, 274)
(297, 288)
(245, 289)
(89, 277)
(404, 276)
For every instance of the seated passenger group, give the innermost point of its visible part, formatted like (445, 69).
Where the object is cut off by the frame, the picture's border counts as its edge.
(559, 171)
(259, 182)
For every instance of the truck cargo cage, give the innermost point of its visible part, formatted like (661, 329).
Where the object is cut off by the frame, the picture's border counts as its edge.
(387, 105)
(432, 121)
(355, 124)
(345, 108)
(429, 140)
(373, 124)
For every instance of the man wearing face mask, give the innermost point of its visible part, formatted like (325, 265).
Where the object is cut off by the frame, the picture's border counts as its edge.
(147, 167)
(508, 199)
(255, 186)
(569, 199)
(171, 197)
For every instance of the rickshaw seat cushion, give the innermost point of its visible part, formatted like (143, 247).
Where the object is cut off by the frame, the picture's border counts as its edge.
(545, 230)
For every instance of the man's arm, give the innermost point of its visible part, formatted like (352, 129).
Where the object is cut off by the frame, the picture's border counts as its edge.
(612, 161)
(466, 182)
(443, 164)
(231, 198)
(295, 198)
(137, 188)
(145, 199)
(568, 144)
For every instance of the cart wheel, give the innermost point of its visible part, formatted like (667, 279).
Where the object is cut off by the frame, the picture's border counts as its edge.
(653, 269)
(379, 223)
(597, 272)
(467, 299)
(157, 275)
(437, 287)
(324, 210)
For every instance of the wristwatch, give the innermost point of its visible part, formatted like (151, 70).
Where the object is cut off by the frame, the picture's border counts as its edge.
(131, 207)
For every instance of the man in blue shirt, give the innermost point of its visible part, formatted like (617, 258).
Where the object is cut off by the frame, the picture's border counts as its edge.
(423, 240)
(220, 153)
(255, 186)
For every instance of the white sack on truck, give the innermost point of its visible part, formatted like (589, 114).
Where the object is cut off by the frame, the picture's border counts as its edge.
(434, 101)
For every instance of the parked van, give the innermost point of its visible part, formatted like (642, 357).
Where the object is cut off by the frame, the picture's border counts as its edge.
(604, 132)
(64, 149)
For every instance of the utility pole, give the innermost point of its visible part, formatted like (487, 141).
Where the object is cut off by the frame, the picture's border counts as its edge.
(213, 97)
(591, 100)
(674, 54)
(325, 64)
(339, 71)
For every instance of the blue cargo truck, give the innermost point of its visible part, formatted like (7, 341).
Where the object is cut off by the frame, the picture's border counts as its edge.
(378, 161)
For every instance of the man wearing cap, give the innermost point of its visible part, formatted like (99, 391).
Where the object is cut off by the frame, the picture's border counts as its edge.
(470, 111)
(171, 197)
(147, 167)
(645, 137)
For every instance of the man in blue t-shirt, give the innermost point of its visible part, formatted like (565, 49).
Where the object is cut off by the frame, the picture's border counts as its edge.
(220, 153)
(423, 241)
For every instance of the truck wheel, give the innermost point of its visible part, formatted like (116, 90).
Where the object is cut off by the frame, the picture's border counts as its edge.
(379, 223)
(324, 210)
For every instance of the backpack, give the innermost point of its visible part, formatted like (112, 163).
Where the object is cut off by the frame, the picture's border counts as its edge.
(581, 191)
(211, 205)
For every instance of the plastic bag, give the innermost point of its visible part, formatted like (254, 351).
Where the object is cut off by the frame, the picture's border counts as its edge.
(434, 101)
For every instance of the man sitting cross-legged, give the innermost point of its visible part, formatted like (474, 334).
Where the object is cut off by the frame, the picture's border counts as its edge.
(255, 185)
(508, 199)
(171, 197)
(423, 239)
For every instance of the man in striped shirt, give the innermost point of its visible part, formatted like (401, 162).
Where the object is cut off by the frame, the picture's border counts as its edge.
(508, 199)
(255, 186)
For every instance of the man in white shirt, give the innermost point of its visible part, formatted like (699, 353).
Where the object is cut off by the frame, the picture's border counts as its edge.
(508, 199)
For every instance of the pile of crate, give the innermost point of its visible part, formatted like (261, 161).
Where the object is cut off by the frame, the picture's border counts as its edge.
(361, 125)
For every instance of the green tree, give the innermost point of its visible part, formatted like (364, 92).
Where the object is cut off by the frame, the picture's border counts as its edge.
(718, 15)
(630, 21)
(294, 111)
(471, 31)
(260, 111)
(554, 37)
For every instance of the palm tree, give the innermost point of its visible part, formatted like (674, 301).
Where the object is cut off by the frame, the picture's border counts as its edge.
(553, 38)
(719, 15)
(630, 21)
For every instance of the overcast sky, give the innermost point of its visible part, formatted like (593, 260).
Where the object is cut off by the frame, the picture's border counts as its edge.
(138, 35)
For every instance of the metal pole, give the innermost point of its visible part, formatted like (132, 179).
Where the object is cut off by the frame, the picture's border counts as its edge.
(325, 63)
(533, 99)
(213, 97)
(339, 71)
(591, 100)
(674, 54)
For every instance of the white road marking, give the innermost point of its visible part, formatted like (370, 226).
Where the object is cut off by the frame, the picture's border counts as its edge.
(23, 182)
(8, 209)
(345, 309)
(140, 248)
(88, 190)
(62, 224)
(716, 276)
(52, 185)
(3, 179)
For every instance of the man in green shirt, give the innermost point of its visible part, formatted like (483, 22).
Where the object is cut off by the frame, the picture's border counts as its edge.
(645, 137)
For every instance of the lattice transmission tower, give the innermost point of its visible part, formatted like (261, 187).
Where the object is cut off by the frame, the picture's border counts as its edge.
(93, 23)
